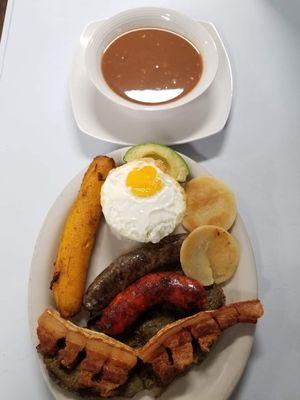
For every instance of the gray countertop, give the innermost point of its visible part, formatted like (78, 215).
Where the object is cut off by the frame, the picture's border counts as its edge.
(257, 154)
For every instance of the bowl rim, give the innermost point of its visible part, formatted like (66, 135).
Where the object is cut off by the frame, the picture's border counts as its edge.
(135, 13)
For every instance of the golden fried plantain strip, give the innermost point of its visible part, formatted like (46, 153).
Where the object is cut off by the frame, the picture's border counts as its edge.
(77, 239)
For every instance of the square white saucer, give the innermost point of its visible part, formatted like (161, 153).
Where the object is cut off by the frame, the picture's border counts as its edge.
(98, 117)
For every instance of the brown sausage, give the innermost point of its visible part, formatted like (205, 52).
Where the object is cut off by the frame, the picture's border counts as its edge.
(130, 267)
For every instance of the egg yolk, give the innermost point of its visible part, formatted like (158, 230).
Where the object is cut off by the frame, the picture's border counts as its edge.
(144, 181)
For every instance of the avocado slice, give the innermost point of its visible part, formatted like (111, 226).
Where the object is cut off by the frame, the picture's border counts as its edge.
(173, 162)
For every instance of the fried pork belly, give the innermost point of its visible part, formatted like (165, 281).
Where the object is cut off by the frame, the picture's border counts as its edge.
(170, 351)
(91, 362)
(102, 363)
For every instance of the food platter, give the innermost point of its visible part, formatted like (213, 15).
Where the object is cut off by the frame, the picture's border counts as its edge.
(216, 377)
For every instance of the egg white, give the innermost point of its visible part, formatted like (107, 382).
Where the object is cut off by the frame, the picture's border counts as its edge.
(143, 219)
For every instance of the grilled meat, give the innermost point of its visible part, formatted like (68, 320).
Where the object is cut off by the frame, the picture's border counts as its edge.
(102, 364)
(205, 327)
(93, 363)
(129, 267)
(155, 288)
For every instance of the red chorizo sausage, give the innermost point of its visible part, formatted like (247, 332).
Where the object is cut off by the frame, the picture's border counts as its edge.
(129, 267)
(151, 289)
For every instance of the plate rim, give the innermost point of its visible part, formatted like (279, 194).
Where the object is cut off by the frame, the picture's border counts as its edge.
(52, 386)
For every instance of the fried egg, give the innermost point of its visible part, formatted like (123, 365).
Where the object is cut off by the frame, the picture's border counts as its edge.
(141, 202)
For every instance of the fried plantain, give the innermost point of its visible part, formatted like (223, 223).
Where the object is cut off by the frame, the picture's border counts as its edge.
(78, 238)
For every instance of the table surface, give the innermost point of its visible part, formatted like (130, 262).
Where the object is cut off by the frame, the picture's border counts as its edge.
(257, 154)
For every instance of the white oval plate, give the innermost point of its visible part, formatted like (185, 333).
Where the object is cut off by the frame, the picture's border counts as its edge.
(217, 376)
(100, 118)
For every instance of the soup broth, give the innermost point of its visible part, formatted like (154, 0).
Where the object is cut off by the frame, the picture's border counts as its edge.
(151, 66)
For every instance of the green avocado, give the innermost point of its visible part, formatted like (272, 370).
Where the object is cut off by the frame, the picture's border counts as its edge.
(173, 162)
